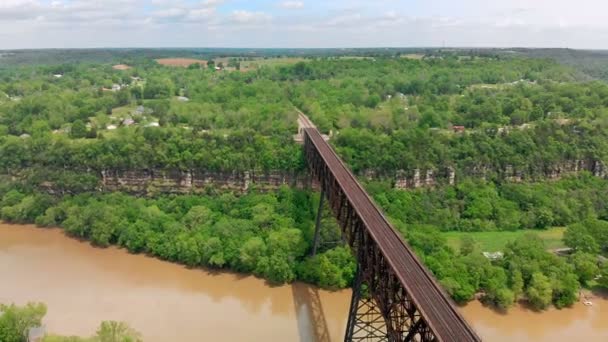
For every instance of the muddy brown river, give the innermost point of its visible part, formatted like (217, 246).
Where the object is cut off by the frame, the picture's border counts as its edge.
(83, 286)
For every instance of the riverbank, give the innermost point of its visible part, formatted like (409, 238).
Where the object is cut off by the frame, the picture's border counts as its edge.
(83, 285)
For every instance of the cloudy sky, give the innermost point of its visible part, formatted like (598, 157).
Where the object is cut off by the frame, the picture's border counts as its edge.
(303, 23)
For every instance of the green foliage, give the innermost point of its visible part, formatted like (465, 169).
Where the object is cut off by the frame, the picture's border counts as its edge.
(78, 130)
(603, 280)
(539, 268)
(539, 291)
(112, 331)
(585, 266)
(589, 236)
(334, 268)
(108, 331)
(477, 205)
(16, 321)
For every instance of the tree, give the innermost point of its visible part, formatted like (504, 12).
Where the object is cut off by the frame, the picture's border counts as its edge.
(251, 253)
(539, 292)
(585, 266)
(112, 331)
(78, 130)
(197, 216)
(517, 284)
(16, 321)
(467, 245)
(603, 280)
(578, 238)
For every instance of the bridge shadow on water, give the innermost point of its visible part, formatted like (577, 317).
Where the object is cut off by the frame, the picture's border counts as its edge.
(312, 323)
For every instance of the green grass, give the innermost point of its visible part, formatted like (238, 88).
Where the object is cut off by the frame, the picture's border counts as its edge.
(496, 241)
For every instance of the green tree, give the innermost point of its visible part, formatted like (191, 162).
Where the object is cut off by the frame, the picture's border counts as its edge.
(16, 321)
(112, 331)
(539, 292)
(585, 266)
(78, 130)
(467, 245)
(577, 237)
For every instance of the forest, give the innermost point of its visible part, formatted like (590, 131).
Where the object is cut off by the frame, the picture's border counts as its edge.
(488, 117)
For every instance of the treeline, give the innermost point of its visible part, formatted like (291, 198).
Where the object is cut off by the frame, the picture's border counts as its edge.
(477, 205)
(153, 147)
(546, 149)
(534, 151)
(268, 235)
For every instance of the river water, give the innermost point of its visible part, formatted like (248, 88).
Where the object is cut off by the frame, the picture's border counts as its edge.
(83, 286)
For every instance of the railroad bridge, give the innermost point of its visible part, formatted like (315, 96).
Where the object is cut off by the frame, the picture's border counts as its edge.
(395, 298)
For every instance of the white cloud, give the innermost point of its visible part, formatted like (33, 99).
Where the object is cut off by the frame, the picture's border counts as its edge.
(249, 18)
(292, 4)
(60, 23)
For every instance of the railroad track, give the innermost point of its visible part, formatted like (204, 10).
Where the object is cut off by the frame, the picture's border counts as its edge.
(433, 303)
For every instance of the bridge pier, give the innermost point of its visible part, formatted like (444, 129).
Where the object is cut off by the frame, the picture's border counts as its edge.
(365, 321)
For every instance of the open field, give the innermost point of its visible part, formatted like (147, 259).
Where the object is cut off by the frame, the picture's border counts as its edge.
(496, 241)
(413, 56)
(121, 67)
(180, 62)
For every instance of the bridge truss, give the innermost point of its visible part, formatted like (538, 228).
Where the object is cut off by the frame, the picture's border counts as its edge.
(395, 298)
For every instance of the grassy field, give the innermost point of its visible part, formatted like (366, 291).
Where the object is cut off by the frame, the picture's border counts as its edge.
(496, 241)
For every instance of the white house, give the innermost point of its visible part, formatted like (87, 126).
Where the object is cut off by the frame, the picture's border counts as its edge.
(128, 122)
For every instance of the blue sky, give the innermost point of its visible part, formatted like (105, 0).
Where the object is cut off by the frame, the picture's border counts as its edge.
(303, 23)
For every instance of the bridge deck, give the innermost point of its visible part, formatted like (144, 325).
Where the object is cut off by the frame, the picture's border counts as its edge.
(433, 303)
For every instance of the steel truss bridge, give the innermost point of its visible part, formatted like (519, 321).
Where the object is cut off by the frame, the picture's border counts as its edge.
(395, 298)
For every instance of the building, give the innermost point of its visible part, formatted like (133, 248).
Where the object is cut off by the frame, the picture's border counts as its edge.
(111, 127)
(140, 110)
(458, 129)
(493, 256)
(128, 122)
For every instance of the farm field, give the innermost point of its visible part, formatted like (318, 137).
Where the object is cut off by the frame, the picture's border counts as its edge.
(180, 62)
(121, 67)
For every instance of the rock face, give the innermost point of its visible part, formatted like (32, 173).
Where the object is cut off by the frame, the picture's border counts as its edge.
(419, 178)
(192, 181)
(146, 181)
